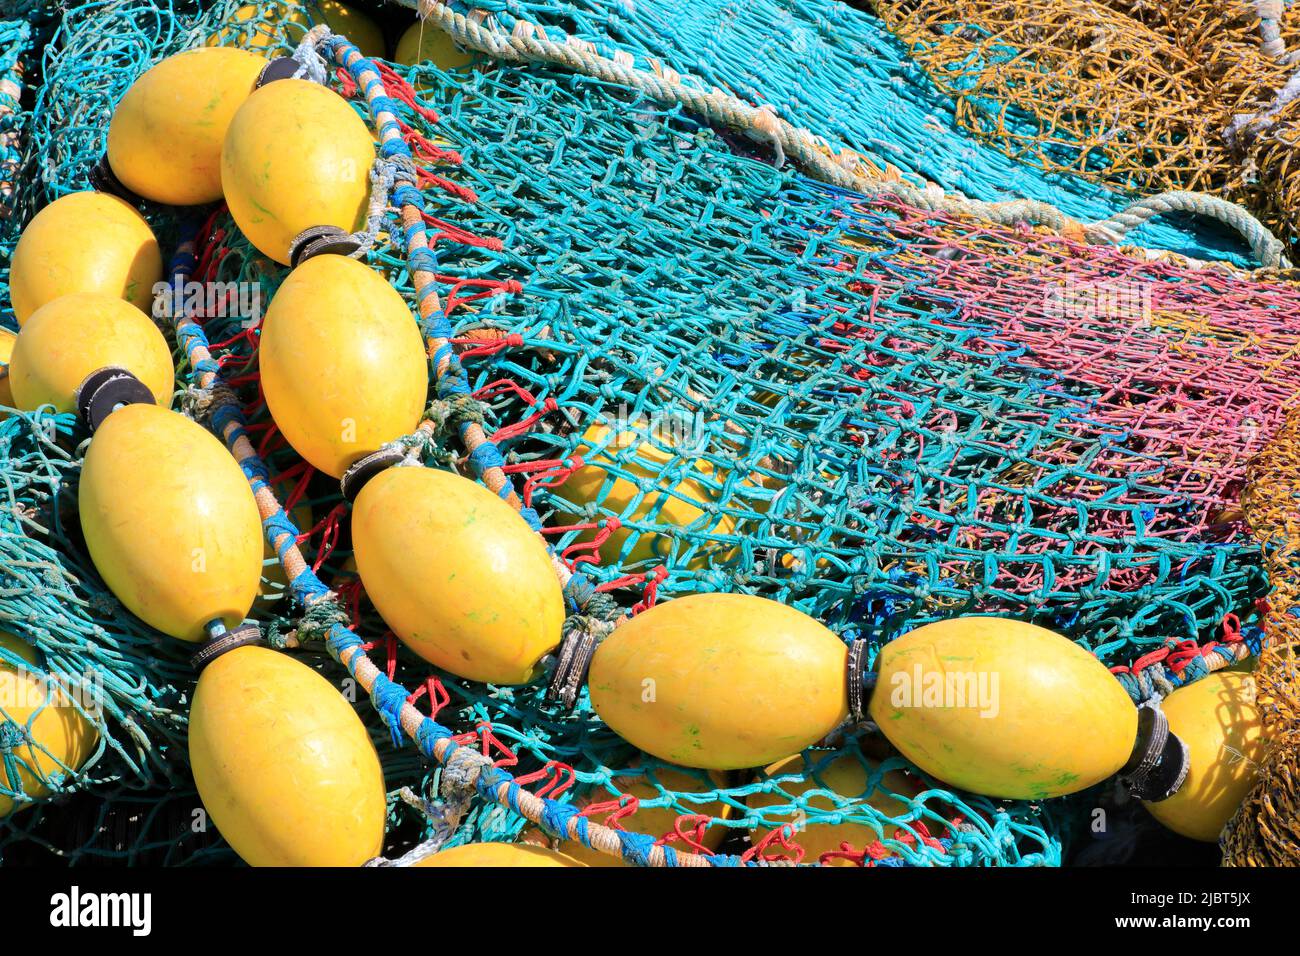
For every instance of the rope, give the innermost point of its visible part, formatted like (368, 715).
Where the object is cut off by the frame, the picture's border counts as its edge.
(814, 155)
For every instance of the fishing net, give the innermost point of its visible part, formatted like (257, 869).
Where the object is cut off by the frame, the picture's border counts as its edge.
(1263, 832)
(1149, 97)
(879, 414)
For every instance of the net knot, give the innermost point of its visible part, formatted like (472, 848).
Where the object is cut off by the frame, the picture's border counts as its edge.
(452, 414)
(320, 618)
(11, 735)
(200, 403)
(461, 772)
(311, 63)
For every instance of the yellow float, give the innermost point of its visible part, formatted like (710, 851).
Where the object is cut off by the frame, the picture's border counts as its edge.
(498, 854)
(425, 42)
(1002, 708)
(682, 505)
(170, 522)
(7, 340)
(657, 822)
(282, 763)
(720, 681)
(296, 155)
(67, 339)
(84, 242)
(278, 23)
(846, 776)
(61, 739)
(1218, 719)
(164, 141)
(343, 363)
(457, 574)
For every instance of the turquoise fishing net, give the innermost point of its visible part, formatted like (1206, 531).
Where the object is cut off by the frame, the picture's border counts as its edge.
(866, 447)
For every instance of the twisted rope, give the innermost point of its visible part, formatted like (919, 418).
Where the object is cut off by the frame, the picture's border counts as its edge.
(814, 155)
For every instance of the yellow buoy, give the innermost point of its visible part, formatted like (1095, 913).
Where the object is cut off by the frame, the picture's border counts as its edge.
(295, 155)
(84, 242)
(658, 822)
(276, 23)
(7, 340)
(1218, 719)
(457, 574)
(1002, 708)
(67, 339)
(498, 854)
(164, 141)
(665, 503)
(720, 681)
(170, 521)
(427, 42)
(343, 363)
(282, 763)
(846, 776)
(58, 740)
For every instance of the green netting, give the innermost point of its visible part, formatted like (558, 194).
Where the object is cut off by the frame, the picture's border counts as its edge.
(894, 421)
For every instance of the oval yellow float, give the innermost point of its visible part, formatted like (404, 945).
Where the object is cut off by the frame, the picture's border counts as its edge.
(164, 141)
(170, 521)
(498, 854)
(84, 242)
(657, 822)
(7, 340)
(343, 362)
(1218, 719)
(425, 42)
(295, 155)
(1002, 708)
(283, 764)
(846, 776)
(60, 737)
(277, 23)
(67, 339)
(663, 503)
(720, 681)
(457, 574)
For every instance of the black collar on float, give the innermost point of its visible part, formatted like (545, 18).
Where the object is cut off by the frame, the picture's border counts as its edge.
(281, 68)
(320, 241)
(363, 469)
(572, 661)
(1158, 766)
(105, 390)
(222, 641)
(861, 682)
(104, 180)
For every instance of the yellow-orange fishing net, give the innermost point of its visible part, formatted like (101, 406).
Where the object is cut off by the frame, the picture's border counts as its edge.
(1266, 830)
(1144, 95)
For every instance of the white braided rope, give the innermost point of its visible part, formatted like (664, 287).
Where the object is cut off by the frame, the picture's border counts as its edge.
(526, 43)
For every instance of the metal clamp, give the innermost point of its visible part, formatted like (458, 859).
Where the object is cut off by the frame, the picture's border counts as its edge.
(573, 660)
(363, 469)
(245, 635)
(105, 390)
(321, 241)
(1158, 766)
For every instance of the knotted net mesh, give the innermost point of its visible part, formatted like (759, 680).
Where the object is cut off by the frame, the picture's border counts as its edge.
(1149, 97)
